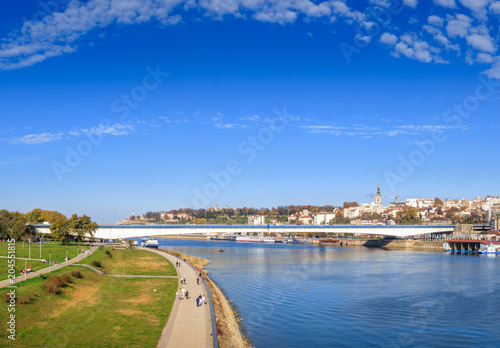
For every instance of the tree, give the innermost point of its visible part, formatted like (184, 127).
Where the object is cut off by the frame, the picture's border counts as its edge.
(132, 218)
(38, 216)
(81, 226)
(60, 231)
(438, 202)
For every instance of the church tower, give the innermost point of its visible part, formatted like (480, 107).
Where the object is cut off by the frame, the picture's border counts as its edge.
(378, 199)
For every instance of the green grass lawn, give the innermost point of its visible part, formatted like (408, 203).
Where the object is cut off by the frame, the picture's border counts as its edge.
(136, 262)
(94, 311)
(56, 250)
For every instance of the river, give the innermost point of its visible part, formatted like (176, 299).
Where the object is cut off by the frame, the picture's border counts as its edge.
(309, 296)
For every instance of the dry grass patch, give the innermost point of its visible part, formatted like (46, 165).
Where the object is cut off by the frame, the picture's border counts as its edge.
(83, 295)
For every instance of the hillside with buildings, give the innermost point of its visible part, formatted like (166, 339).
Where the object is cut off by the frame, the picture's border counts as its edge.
(425, 211)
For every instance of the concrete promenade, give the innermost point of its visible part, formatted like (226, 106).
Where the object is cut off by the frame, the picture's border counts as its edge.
(188, 325)
(21, 277)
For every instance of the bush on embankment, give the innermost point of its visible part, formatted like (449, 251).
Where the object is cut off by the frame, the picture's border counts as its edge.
(54, 284)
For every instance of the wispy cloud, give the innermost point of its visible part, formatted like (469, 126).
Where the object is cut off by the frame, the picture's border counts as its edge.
(41, 138)
(231, 126)
(20, 160)
(59, 33)
(366, 131)
(115, 129)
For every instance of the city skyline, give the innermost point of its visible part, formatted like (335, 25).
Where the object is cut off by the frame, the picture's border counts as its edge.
(163, 106)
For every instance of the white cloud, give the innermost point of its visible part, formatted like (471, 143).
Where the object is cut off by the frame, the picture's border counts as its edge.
(32, 139)
(342, 9)
(495, 7)
(435, 20)
(410, 3)
(114, 129)
(446, 3)
(381, 3)
(20, 160)
(478, 7)
(439, 37)
(231, 126)
(412, 47)
(60, 32)
(458, 26)
(484, 58)
(388, 39)
(482, 42)
(494, 71)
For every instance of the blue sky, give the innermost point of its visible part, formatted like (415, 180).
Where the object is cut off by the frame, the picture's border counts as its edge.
(111, 107)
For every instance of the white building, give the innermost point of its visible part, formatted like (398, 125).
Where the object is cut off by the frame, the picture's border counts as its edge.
(322, 218)
(256, 220)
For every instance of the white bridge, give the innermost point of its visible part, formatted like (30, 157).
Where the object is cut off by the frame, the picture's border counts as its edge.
(131, 231)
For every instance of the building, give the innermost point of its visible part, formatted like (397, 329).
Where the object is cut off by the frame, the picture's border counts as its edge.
(322, 218)
(256, 220)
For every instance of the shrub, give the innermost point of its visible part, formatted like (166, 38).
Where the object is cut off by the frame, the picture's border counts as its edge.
(110, 256)
(25, 299)
(96, 263)
(6, 297)
(42, 276)
(77, 274)
(66, 279)
(108, 252)
(53, 285)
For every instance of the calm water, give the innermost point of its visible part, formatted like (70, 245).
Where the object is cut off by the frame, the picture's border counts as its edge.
(305, 296)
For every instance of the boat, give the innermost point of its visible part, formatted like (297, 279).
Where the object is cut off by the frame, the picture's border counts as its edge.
(150, 243)
(298, 241)
(489, 248)
(329, 242)
(255, 239)
(224, 239)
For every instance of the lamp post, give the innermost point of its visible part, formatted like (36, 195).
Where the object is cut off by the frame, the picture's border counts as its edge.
(50, 258)
(25, 267)
(29, 241)
(40, 248)
(66, 257)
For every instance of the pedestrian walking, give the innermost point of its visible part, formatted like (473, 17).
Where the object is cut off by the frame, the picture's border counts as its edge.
(187, 295)
(203, 299)
(198, 281)
(183, 292)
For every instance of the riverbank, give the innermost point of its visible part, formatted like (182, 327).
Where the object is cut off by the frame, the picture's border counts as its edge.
(229, 332)
(76, 306)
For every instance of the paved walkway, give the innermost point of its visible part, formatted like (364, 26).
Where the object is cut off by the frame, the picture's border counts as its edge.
(188, 325)
(21, 277)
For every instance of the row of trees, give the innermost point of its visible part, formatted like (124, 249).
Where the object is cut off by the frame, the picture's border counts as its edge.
(13, 225)
(19, 226)
(74, 228)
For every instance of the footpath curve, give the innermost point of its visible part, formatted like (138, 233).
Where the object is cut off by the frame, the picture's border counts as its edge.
(188, 325)
(20, 277)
